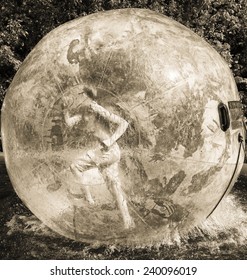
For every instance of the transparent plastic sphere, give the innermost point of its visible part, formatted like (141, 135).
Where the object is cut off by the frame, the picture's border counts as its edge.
(122, 126)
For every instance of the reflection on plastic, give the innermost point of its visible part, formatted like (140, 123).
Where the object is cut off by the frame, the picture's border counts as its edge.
(111, 128)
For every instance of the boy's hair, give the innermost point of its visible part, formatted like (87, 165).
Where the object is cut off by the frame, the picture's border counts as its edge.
(90, 92)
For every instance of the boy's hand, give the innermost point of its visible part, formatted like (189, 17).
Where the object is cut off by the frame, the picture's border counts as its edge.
(85, 100)
(103, 146)
(67, 101)
(107, 143)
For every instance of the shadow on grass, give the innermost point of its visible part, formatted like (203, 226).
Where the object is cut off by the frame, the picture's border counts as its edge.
(23, 236)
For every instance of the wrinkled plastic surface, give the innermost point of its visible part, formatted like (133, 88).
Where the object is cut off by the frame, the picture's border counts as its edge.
(170, 166)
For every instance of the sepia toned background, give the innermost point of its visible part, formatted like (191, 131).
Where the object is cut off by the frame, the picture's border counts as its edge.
(22, 24)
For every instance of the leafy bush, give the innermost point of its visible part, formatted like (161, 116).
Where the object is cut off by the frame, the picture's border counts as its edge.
(223, 23)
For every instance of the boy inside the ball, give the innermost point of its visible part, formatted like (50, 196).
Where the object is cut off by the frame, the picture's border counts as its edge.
(103, 153)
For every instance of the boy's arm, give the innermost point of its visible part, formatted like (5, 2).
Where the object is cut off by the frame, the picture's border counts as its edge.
(71, 121)
(122, 124)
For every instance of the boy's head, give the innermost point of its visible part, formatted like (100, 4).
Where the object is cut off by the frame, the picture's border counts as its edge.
(79, 96)
(89, 92)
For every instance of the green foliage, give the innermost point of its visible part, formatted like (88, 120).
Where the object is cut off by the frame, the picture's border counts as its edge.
(22, 24)
(223, 23)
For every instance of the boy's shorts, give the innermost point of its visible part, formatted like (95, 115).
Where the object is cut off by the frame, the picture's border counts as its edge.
(98, 158)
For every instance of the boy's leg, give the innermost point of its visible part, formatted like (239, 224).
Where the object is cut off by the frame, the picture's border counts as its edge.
(77, 168)
(112, 179)
(57, 181)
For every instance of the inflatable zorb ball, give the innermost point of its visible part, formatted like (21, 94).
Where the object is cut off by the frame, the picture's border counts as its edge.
(122, 126)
